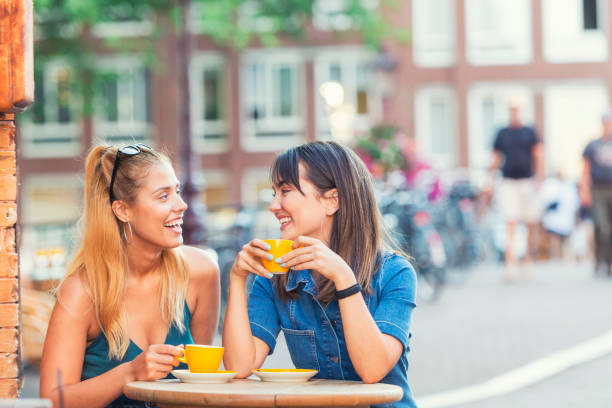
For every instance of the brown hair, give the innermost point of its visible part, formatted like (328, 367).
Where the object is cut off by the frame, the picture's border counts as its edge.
(358, 234)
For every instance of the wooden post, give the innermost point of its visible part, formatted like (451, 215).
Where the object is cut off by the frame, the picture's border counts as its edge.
(16, 93)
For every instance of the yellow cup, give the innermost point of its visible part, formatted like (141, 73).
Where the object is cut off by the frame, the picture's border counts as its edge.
(278, 248)
(202, 358)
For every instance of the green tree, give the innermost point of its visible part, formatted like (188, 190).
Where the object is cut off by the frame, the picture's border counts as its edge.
(65, 29)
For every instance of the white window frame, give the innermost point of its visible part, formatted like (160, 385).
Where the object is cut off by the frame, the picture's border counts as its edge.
(349, 59)
(340, 21)
(567, 136)
(564, 38)
(123, 29)
(102, 128)
(422, 114)
(600, 20)
(502, 94)
(199, 126)
(503, 44)
(110, 29)
(51, 130)
(293, 125)
(432, 49)
(245, 18)
(32, 217)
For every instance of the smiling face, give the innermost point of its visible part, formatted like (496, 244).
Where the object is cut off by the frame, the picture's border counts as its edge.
(156, 216)
(301, 214)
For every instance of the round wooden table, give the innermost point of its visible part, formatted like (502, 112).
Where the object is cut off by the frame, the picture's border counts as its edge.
(255, 393)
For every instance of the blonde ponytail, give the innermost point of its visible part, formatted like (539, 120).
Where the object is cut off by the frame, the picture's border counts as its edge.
(101, 260)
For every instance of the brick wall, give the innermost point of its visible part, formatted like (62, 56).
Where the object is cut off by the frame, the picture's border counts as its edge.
(16, 93)
(9, 284)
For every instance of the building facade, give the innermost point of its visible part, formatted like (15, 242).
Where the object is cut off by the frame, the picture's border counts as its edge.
(449, 89)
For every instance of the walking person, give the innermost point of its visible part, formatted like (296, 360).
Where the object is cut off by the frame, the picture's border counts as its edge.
(133, 293)
(345, 305)
(517, 152)
(596, 192)
(560, 203)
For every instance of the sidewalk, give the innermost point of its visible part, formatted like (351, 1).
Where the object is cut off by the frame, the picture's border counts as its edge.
(484, 328)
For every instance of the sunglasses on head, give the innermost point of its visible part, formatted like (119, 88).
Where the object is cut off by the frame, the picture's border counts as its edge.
(128, 151)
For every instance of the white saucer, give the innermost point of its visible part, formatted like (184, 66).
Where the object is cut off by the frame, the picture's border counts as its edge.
(203, 378)
(284, 374)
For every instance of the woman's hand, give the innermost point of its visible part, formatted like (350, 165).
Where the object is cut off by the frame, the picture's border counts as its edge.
(249, 260)
(155, 363)
(311, 253)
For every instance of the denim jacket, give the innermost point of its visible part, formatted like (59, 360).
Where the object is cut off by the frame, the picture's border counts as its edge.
(314, 333)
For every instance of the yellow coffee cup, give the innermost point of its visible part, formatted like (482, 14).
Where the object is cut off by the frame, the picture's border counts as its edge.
(278, 248)
(202, 358)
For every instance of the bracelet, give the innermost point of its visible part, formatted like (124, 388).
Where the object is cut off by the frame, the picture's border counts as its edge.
(351, 290)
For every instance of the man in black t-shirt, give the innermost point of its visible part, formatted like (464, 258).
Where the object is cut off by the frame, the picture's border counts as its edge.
(596, 192)
(517, 151)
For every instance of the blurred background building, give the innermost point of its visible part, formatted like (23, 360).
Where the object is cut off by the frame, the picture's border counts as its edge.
(448, 88)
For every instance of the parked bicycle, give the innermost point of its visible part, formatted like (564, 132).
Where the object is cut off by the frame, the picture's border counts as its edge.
(406, 214)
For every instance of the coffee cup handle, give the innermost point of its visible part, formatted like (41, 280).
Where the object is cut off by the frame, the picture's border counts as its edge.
(182, 359)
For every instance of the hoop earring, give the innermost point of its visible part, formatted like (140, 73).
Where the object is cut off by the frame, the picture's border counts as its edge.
(125, 235)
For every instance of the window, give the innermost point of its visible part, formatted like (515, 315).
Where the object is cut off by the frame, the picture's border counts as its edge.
(257, 193)
(50, 209)
(214, 187)
(498, 32)
(489, 127)
(433, 23)
(572, 31)
(589, 15)
(271, 89)
(440, 126)
(123, 111)
(125, 20)
(332, 14)
(207, 109)
(247, 14)
(353, 69)
(256, 186)
(50, 128)
(583, 101)
(436, 124)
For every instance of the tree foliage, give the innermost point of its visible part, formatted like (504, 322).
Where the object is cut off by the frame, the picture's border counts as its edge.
(66, 28)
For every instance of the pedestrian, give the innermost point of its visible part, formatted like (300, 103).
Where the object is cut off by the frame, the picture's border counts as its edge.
(345, 305)
(517, 152)
(560, 203)
(133, 293)
(596, 192)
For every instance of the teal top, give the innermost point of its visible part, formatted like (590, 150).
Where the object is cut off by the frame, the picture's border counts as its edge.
(96, 360)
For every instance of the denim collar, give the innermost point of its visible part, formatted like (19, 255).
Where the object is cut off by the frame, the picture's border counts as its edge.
(296, 277)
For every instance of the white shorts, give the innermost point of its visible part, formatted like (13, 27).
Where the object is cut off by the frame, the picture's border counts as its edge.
(518, 201)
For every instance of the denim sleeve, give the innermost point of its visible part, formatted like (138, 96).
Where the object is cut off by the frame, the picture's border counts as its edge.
(262, 312)
(397, 299)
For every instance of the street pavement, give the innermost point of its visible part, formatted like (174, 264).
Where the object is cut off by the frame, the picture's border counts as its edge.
(482, 328)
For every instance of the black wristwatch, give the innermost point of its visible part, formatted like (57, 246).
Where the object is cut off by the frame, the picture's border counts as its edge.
(351, 290)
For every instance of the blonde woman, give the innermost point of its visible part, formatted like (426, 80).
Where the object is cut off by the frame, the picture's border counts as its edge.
(346, 304)
(133, 293)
